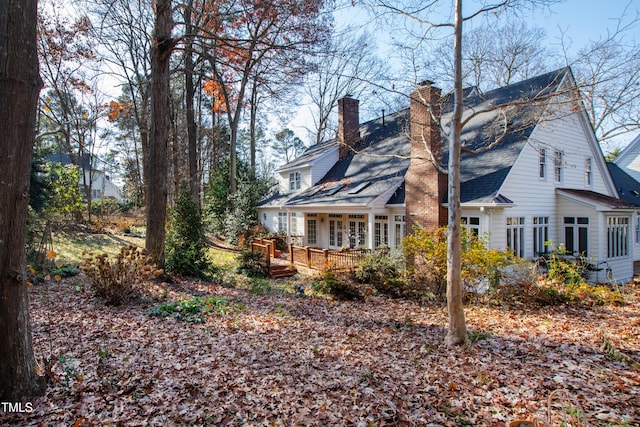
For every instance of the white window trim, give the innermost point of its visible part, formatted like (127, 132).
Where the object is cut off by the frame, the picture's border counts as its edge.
(588, 171)
(515, 235)
(558, 166)
(617, 237)
(294, 181)
(542, 164)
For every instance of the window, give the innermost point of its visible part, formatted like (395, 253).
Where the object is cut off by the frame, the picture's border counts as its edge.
(638, 231)
(381, 231)
(542, 160)
(515, 235)
(471, 223)
(294, 224)
(576, 235)
(282, 222)
(617, 236)
(540, 235)
(357, 231)
(294, 181)
(312, 230)
(335, 230)
(588, 174)
(399, 229)
(558, 166)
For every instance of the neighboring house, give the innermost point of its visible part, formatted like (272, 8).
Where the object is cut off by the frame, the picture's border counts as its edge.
(629, 159)
(100, 185)
(543, 182)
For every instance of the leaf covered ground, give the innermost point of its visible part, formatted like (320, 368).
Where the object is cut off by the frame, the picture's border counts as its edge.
(279, 359)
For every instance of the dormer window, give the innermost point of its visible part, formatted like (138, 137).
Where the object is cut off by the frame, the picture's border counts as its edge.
(294, 181)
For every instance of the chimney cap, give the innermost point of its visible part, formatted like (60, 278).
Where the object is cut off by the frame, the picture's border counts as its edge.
(425, 82)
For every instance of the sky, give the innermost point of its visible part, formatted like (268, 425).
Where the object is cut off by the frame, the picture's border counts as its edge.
(585, 20)
(581, 21)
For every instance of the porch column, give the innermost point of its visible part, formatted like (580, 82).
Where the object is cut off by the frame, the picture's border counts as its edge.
(371, 232)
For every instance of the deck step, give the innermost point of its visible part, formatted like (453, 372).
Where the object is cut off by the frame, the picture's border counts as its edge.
(281, 271)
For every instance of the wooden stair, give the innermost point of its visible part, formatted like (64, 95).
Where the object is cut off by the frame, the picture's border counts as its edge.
(281, 271)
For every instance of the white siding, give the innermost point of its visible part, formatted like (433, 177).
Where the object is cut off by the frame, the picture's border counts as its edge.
(322, 165)
(534, 196)
(305, 180)
(269, 218)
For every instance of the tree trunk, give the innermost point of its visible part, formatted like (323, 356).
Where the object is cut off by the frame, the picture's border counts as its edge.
(457, 330)
(160, 127)
(194, 181)
(252, 126)
(19, 87)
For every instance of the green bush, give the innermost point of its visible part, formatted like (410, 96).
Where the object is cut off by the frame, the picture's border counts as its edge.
(567, 269)
(378, 266)
(338, 287)
(384, 270)
(193, 310)
(186, 242)
(252, 264)
(115, 279)
(427, 250)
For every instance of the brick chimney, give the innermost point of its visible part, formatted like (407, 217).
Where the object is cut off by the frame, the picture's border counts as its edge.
(348, 124)
(425, 186)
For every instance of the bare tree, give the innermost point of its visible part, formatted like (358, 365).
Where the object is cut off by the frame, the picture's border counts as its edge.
(496, 55)
(608, 74)
(261, 31)
(346, 65)
(19, 86)
(124, 29)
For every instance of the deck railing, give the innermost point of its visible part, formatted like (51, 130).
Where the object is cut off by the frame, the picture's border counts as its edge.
(314, 258)
(323, 259)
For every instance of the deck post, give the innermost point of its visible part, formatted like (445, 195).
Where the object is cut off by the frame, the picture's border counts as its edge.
(291, 260)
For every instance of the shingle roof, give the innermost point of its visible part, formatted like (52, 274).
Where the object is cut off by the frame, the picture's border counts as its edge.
(628, 188)
(382, 158)
(610, 202)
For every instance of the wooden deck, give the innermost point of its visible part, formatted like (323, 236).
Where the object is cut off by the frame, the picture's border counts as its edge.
(306, 257)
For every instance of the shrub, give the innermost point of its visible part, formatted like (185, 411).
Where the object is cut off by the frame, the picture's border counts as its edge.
(339, 287)
(186, 242)
(564, 269)
(427, 250)
(193, 310)
(378, 266)
(383, 270)
(252, 264)
(114, 279)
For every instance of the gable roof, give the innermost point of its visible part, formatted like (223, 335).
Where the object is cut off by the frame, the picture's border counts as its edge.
(382, 157)
(309, 156)
(632, 149)
(377, 166)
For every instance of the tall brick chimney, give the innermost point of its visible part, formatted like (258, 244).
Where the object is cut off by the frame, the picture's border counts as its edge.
(425, 186)
(348, 124)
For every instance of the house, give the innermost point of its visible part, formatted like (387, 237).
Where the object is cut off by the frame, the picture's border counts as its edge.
(625, 172)
(99, 183)
(533, 177)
